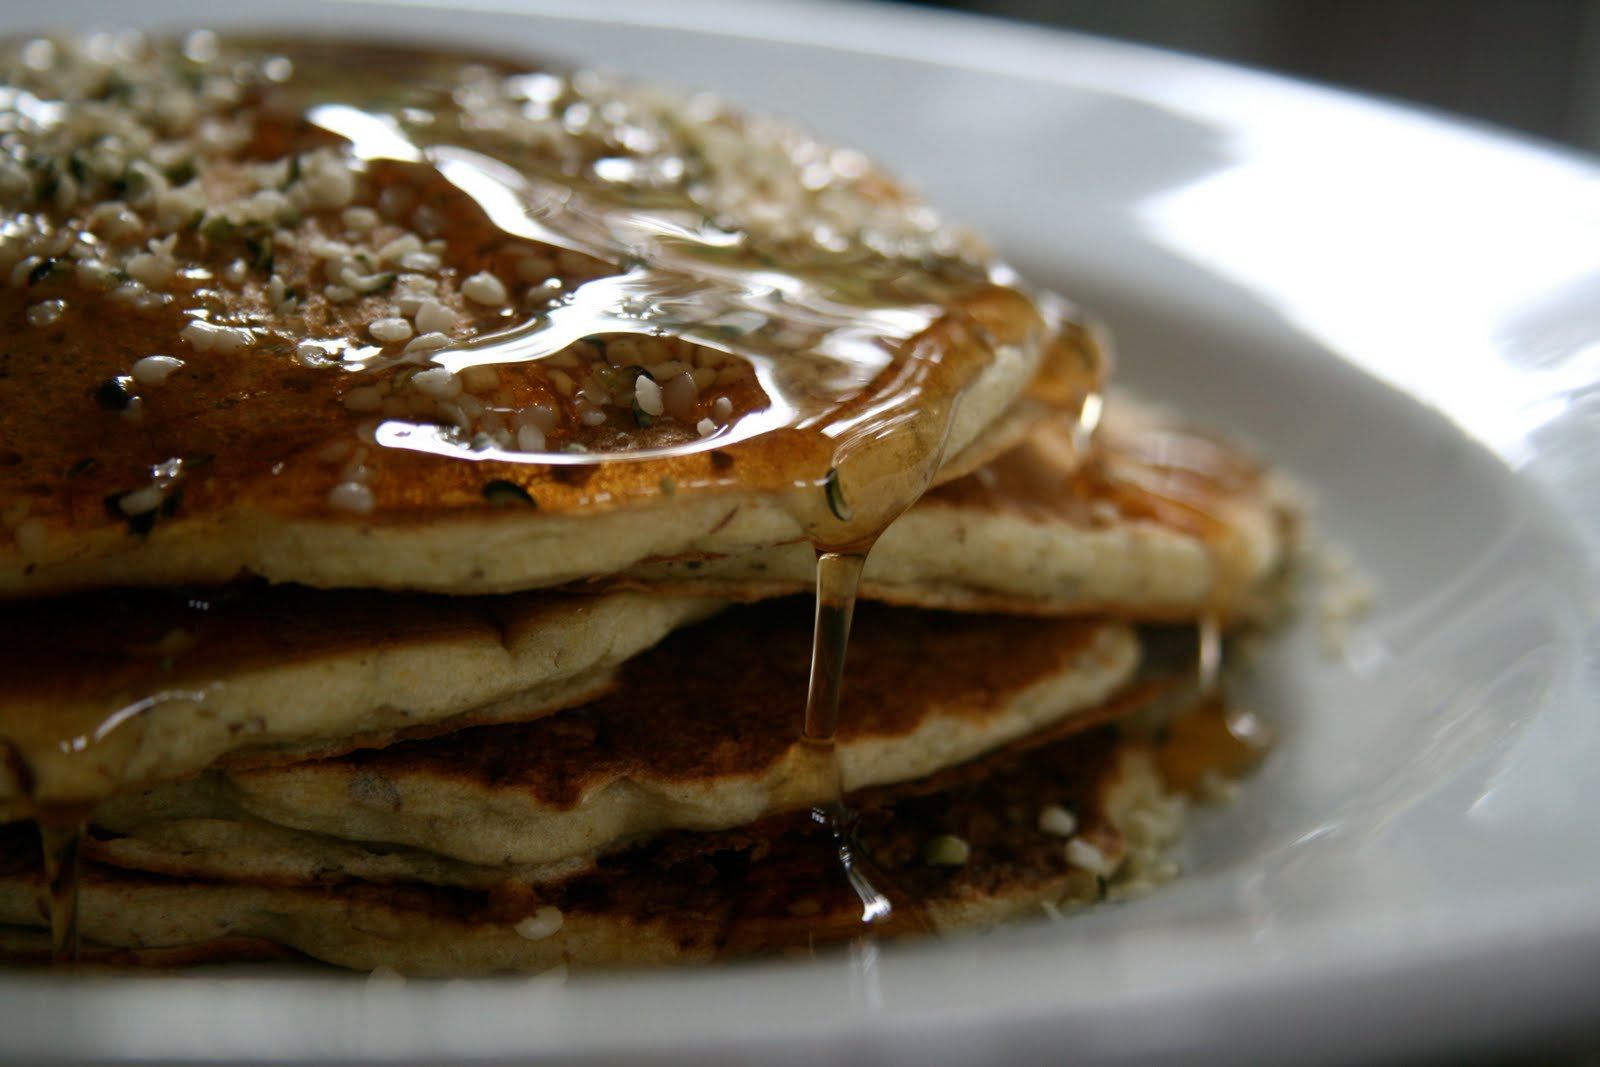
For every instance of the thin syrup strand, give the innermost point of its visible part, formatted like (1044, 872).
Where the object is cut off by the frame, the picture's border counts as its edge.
(62, 842)
(838, 576)
(1087, 426)
(1209, 667)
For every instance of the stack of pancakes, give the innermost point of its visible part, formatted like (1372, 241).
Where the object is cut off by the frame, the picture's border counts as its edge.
(414, 470)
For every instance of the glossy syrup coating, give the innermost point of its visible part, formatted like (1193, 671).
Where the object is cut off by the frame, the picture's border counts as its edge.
(330, 283)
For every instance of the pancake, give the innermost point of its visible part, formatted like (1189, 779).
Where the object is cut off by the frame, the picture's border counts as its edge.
(241, 848)
(692, 739)
(1165, 523)
(682, 897)
(627, 346)
(149, 687)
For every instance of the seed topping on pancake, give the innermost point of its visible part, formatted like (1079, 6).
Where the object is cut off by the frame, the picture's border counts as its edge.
(327, 283)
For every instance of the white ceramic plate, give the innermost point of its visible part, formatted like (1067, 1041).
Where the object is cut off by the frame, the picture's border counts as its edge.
(1403, 310)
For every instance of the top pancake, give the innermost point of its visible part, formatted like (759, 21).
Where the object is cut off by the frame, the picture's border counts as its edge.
(442, 324)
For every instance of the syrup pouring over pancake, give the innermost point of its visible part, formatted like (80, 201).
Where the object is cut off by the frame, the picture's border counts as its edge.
(731, 337)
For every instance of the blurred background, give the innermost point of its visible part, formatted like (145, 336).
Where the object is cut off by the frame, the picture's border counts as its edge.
(1531, 65)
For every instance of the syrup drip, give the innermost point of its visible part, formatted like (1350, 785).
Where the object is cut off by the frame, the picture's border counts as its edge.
(61, 838)
(1208, 672)
(1182, 479)
(859, 872)
(838, 577)
(1087, 427)
(79, 768)
(1216, 738)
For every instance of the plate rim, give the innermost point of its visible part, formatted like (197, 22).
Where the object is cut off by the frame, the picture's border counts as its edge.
(1574, 940)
